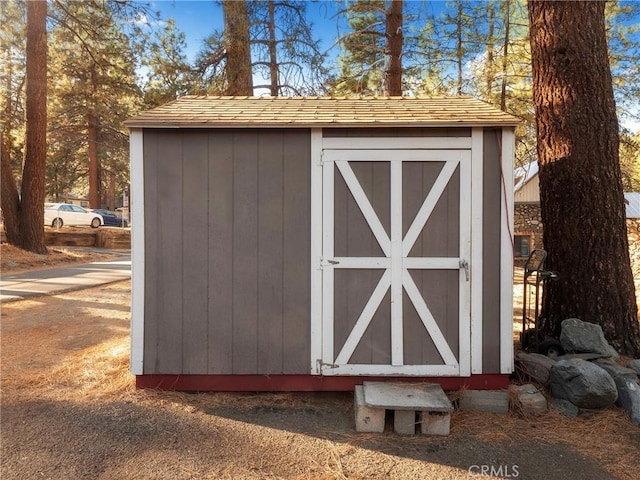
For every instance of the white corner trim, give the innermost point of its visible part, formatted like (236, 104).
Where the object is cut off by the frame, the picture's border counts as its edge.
(477, 180)
(316, 251)
(137, 250)
(506, 252)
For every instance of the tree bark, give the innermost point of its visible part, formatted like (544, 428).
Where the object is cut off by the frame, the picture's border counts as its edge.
(94, 164)
(459, 47)
(33, 176)
(238, 49)
(273, 51)
(505, 56)
(393, 75)
(581, 193)
(10, 198)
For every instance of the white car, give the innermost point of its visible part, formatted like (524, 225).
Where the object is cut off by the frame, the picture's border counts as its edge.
(59, 214)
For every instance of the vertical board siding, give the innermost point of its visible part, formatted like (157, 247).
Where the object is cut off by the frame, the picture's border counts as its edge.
(169, 256)
(150, 161)
(245, 253)
(270, 253)
(492, 194)
(195, 253)
(227, 251)
(296, 252)
(220, 272)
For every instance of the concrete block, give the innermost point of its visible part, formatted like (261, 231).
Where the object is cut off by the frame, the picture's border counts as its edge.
(406, 396)
(532, 401)
(404, 422)
(494, 401)
(368, 419)
(435, 423)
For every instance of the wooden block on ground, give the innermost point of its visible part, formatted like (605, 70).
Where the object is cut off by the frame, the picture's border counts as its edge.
(368, 419)
(435, 423)
(404, 422)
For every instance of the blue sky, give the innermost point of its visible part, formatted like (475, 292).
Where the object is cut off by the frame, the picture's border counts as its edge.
(197, 19)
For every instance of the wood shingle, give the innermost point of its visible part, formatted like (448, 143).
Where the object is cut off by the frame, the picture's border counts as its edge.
(307, 112)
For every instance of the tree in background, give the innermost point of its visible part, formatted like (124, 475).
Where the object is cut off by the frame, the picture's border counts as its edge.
(264, 38)
(372, 54)
(93, 90)
(630, 160)
(239, 77)
(12, 83)
(169, 73)
(223, 66)
(580, 183)
(285, 52)
(501, 74)
(23, 210)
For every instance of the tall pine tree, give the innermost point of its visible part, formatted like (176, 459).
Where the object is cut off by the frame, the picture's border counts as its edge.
(580, 183)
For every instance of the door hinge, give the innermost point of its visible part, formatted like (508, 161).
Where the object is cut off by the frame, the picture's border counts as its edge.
(327, 365)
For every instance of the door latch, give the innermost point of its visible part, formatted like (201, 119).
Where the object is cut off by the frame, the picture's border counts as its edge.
(464, 264)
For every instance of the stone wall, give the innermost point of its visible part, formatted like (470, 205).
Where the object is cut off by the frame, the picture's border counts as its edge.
(527, 220)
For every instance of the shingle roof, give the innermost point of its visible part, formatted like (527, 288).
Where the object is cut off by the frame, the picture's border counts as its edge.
(278, 112)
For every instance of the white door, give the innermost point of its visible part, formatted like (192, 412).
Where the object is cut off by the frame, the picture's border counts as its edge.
(366, 324)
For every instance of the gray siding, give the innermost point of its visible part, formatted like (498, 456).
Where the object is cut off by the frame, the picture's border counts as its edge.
(492, 193)
(227, 225)
(227, 252)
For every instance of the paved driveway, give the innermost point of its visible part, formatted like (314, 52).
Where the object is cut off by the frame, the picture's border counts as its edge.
(63, 279)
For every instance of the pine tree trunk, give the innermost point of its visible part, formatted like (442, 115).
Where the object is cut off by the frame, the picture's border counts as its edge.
(236, 38)
(273, 51)
(505, 57)
(459, 47)
(393, 80)
(10, 198)
(581, 193)
(33, 176)
(94, 164)
(489, 76)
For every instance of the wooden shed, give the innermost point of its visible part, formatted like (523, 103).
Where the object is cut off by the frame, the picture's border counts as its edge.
(313, 243)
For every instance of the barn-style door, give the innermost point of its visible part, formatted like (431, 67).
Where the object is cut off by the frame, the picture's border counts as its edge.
(395, 261)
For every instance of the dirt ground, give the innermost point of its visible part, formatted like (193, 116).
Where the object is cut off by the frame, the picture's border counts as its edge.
(70, 411)
(15, 260)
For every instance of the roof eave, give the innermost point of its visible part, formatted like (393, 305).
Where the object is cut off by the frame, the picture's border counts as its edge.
(202, 125)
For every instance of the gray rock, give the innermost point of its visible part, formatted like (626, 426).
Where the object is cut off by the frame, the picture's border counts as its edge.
(583, 356)
(584, 337)
(11, 264)
(583, 383)
(616, 370)
(530, 399)
(629, 399)
(536, 366)
(634, 365)
(565, 407)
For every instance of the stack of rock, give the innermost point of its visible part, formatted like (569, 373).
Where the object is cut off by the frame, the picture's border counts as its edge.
(589, 376)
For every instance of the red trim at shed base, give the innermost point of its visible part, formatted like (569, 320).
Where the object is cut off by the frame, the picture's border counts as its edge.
(304, 383)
